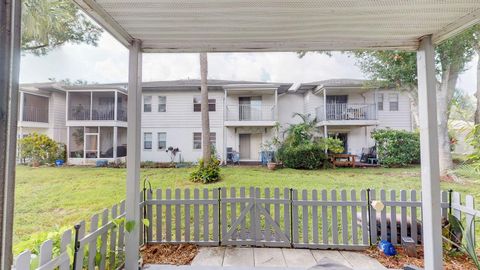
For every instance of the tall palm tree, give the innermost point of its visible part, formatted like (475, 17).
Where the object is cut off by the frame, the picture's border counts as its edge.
(204, 107)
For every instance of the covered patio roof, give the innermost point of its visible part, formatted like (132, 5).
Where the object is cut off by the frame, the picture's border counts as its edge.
(271, 25)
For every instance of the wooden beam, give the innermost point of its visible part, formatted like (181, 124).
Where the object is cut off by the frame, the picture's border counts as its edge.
(133, 154)
(99, 15)
(457, 27)
(432, 230)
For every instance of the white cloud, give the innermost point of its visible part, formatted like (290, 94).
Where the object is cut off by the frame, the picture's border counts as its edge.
(109, 63)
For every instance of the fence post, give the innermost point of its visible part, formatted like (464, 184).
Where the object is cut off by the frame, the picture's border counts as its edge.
(369, 218)
(450, 191)
(77, 246)
(219, 217)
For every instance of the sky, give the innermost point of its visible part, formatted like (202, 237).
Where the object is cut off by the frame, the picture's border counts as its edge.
(108, 63)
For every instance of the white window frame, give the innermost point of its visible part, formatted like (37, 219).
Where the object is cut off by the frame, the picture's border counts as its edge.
(380, 101)
(145, 140)
(159, 142)
(395, 96)
(162, 104)
(197, 104)
(145, 104)
(196, 141)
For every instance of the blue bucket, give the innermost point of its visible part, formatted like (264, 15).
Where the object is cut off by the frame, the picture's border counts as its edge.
(59, 162)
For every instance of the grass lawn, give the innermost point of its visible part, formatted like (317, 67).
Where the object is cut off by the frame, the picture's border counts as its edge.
(48, 198)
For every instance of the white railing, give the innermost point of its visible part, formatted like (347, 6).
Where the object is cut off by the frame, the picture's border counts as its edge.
(79, 113)
(35, 114)
(347, 111)
(103, 113)
(246, 112)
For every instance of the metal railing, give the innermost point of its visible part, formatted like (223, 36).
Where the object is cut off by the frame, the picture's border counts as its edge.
(103, 113)
(35, 114)
(246, 112)
(122, 114)
(79, 113)
(347, 111)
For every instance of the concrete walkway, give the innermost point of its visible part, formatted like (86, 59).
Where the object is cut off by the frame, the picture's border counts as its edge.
(271, 258)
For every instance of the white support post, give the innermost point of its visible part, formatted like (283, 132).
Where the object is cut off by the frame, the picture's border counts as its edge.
(325, 105)
(132, 238)
(276, 105)
(91, 105)
(432, 230)
(225, 160)
(20, 112)
(115, 106)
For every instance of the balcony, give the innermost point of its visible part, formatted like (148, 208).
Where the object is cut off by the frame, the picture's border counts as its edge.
(96, 106)
(35, 114)
(250, 115)
(347, 114)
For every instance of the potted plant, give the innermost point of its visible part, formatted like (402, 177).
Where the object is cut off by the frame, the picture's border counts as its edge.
(270, 149)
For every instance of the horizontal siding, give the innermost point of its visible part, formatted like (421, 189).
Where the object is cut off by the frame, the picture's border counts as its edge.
(289, 104)
(179, 112)
(401, 119)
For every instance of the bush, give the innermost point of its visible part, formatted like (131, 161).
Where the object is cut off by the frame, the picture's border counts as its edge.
(397, 148)
(39, 148)
(307, 156)
(206, 174)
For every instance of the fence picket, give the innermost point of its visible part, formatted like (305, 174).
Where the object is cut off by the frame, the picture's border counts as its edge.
(206, 221)
(103, 242)
(196, 216)
(159, 216)
(233, 212)
(256, 217)
(334, 218)
(178, 218)
(243, 224)
(81, 250)
(383, 216)
(315, 217)
(223, 222)
(121, 232)
(64, 242)
(470, 219)
(215, 231)
(187, 215)
(324, 219)
(266, 205)
(149, 216)
(286, 213)
(343, 196)
(277, 211)
(353, 198)
(305, 217)
(45, 255)
(295, 217)
(393, 218)
(168, 216)
(413, 216)
(404, 220)
(22, 262)
(365, 233)
(445, 201)
(113, 240)
(373, 217)
(456, 200)
(92, 246)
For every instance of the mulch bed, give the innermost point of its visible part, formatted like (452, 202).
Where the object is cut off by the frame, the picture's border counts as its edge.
(181, 254)
(457, 261)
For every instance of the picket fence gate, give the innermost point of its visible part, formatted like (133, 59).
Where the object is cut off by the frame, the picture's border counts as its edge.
(316, 219)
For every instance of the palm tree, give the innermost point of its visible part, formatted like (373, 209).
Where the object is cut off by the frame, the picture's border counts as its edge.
(204, 108)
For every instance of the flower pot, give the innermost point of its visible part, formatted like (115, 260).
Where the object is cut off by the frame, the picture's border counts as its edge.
(59, 162)
(271, 166)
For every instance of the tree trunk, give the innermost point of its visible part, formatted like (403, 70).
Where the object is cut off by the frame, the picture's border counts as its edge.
(204, 107)
(444, 97)
(413, 95)
(477, 94)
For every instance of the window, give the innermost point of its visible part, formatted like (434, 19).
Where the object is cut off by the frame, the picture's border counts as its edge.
(162, 141)
(197, 107)
(147, 104)
(162, 104)
(380, 102)
(147, 140)
(197, 140)
(393, 99)
(213, 139)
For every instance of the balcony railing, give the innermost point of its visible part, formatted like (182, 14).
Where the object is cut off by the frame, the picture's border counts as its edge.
(246, 112)
(35, 114)
(347, 111)
(104, 113)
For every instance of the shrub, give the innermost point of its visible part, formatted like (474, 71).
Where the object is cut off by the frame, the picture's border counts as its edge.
(39, 148)
(474, 140)
(206, 174)
(397, 148)
(307, 156)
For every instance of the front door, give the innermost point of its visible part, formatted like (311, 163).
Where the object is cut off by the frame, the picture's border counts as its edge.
(244, 146)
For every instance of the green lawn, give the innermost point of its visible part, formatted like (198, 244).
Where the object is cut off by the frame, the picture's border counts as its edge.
(47, 198)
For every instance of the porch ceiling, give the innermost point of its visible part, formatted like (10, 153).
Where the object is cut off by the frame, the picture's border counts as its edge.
(272, 25)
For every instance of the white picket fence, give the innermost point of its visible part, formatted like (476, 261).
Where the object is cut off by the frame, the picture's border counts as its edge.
(317, 219)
